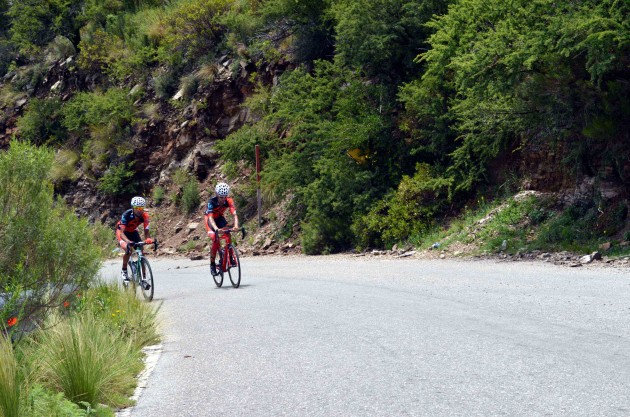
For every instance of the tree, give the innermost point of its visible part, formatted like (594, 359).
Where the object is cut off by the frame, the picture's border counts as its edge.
(383, 37)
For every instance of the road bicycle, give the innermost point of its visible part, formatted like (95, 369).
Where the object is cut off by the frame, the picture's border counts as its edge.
(228, 258)
(141, 274)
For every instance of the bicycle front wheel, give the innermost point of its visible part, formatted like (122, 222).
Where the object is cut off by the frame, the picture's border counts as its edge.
(234, 269)
(218, 278)
(146, 280)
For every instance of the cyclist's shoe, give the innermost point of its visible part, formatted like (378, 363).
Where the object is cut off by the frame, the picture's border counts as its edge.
(145, 285)
(125, 277)
(213, 269)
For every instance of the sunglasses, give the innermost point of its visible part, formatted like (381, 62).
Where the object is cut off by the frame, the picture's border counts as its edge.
(138, 208)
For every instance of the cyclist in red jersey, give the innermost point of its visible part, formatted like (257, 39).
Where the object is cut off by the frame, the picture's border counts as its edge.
(214, 218)
(126, 232)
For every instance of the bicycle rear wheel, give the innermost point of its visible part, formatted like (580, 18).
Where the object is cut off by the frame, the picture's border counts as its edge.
(234, 269)
(146, 280)
(218, 279)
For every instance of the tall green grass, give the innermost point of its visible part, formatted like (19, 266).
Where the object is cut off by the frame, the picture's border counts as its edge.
(93, 354)
(133, 319)
(88, 361)
(10, 381)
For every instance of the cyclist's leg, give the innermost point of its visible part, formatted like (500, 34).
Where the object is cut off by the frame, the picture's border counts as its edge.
(134, 237)
(126, 255)
(123, 246)
(220, 222)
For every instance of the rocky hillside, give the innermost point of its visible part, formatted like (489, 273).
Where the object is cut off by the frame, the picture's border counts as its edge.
(378, 126)
(175, 137)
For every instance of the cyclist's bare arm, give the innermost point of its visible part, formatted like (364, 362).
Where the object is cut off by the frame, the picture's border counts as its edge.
(212, 224)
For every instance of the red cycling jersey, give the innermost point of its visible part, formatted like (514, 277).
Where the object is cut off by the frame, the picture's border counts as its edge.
(217, 210)
(129, 222)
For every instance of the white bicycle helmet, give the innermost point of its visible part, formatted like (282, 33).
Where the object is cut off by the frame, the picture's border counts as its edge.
(222, 189)
(138, 202)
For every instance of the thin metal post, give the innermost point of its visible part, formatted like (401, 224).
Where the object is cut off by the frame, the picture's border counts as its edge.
(258, 193)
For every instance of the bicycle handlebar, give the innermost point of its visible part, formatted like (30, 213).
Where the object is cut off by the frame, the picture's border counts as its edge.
(229, 230)
(141, 244)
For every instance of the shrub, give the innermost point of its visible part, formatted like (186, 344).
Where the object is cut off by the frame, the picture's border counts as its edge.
(190, 196)
(46, 403)
(192, 28)
(112, 108)
(100, 50)
(117, 180)
(165, 85)
(574, 228)
(408, 211)
(39, 235)
(42, 122)
(158, 195)
(180, 177)
(35, 23)
(7, 53)
(104, 240)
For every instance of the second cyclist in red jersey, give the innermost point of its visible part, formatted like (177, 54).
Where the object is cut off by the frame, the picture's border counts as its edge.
(215, 219)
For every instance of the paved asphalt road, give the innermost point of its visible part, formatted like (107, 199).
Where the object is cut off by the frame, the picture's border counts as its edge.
(344, 336)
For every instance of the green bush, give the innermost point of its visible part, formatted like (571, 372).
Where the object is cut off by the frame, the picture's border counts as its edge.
(35, 23)
(192, 28)
(383, 37)
(43, 402)
(114, 107)
(180, 177)
(42, 122)
(39, 235)
(117, 180)
(408, 212)
(165, 85)
(104, 239)
(28, 78)
(106, 118)
(7, 52)
(190, 196)
(158, 195)
(309, 123)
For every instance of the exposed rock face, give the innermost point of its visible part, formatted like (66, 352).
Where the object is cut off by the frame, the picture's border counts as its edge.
(545, 167)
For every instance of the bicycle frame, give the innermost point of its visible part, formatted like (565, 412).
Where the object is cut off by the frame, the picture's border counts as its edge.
(224, 235)
(228, 257)
(141, 274)
(135, 263)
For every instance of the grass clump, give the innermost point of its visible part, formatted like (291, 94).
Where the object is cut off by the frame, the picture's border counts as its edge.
(531, 222)
(87, 361)
(83, 362)
(11, 386)
(131, 318)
